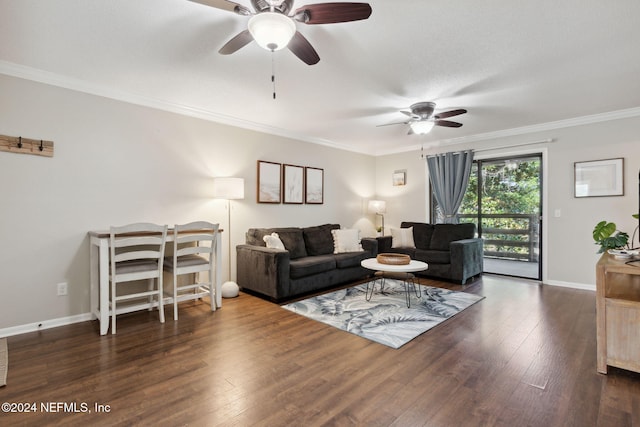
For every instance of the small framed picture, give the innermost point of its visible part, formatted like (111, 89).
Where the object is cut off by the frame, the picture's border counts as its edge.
(314, 186)
(293, 184)
(599, 178)
(399, 177)
(269, 183)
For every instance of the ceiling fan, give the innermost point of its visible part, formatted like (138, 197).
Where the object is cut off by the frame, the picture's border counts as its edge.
(422, 119)
(273, 24)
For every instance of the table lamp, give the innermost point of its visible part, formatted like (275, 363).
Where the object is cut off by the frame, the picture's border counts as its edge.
(378, 207)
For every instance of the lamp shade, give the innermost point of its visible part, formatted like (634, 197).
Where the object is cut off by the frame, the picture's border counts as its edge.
(228, 188)
(272, 30)
(377, 206)
(422, 127)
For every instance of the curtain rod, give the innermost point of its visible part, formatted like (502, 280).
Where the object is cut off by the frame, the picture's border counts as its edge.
(542, 141)
(500, 147)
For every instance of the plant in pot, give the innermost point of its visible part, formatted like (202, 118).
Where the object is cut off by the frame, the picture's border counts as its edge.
(603, 234)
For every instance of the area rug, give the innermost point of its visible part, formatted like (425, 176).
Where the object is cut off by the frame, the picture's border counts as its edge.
(4, 356)
(385, 319)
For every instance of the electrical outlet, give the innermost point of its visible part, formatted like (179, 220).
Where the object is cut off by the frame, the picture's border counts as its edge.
(62, 289)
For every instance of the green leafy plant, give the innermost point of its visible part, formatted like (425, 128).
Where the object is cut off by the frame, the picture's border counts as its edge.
(603, 234)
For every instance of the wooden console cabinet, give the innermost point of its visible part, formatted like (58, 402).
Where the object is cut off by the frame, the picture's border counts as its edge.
(617, 314)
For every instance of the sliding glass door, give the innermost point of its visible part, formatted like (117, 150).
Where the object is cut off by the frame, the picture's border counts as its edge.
(504, 200)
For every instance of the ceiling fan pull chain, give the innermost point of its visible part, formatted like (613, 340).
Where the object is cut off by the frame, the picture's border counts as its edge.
(273, 74)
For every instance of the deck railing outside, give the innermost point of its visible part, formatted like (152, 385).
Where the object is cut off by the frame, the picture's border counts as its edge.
(509, 236)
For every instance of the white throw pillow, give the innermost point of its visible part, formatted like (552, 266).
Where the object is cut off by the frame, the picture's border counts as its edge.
(273, 241)
(346, 241)
(402, 238)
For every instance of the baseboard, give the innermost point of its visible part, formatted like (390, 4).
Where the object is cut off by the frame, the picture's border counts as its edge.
(45, 324)
(572, 285)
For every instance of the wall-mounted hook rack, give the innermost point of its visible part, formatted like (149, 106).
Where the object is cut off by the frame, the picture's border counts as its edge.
(18, 144)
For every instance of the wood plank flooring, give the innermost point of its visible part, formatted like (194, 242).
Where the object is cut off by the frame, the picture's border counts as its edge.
(523, 356)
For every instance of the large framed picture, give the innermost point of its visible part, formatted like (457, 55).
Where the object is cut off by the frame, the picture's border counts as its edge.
(599, 178)
(314, 185)
(269, 183)
(293, 184)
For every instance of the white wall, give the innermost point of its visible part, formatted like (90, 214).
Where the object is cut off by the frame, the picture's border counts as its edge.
(570, 256)
(117, 163)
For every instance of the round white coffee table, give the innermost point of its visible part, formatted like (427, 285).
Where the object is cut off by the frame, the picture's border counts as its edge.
(402, 272)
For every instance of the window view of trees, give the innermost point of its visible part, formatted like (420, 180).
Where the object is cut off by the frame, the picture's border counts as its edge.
(505, 198)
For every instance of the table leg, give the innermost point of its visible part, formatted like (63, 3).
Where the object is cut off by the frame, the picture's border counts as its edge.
(218, 278)
(94, 277)
(104, 286)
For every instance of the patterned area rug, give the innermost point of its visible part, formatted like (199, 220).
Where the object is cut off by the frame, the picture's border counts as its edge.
(4, 356)
(385, 319)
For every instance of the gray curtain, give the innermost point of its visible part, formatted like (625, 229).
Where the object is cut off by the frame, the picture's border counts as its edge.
(449, 175)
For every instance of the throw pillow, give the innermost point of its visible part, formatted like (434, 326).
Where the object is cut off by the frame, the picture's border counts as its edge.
(346, 241)
(273, 241)
(402, 238)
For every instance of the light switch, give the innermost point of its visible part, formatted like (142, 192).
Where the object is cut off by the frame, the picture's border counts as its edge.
(557, 213)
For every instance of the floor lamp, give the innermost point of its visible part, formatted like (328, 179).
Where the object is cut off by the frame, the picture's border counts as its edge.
(378, 207)
(228, 189)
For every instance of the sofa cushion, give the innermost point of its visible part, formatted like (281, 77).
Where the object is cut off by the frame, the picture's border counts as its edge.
(318, 240)
(443, 234)
(293, 242)
(422, 233)
(255, 236)
(309, 265)
(433, 256)
(350, 259)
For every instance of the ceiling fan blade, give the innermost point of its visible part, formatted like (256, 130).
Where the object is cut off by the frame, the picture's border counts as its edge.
(451, 113)
(332, 13)
(447, 123)
(396, 123)
(301, 48)
(239, 41)
(225, 5)
(411, 114)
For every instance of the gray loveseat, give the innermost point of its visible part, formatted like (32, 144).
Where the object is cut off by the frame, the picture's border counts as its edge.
(451, 250)
(307, 264)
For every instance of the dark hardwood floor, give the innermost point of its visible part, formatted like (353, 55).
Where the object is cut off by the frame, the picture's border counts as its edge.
(523, 356)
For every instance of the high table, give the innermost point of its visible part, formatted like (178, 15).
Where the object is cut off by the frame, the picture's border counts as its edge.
(99, 274)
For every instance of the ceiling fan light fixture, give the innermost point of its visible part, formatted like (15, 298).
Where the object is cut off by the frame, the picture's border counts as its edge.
(422, 127)
(272, 30)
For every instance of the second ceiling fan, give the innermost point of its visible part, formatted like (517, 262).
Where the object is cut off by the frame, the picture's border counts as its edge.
(273, 24)
(422, 119)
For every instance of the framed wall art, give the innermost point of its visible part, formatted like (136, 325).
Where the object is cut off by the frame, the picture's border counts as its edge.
(599, 178)
(269, 182)
(314, 185)
(293, 184)
(399, 177)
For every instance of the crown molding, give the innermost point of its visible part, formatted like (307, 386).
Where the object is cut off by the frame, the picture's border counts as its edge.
(46, 77)
(53, 79)
(543, 127)
(524, 130)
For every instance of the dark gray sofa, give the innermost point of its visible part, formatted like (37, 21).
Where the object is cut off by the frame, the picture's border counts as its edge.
(451, 250)
(307, 265)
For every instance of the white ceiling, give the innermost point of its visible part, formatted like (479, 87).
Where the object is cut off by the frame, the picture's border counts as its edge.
(515, 65)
